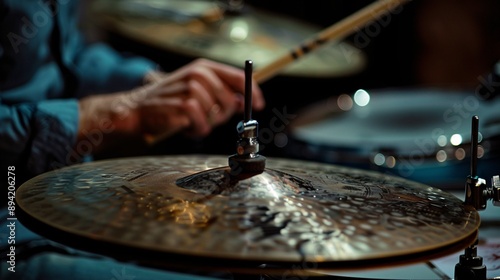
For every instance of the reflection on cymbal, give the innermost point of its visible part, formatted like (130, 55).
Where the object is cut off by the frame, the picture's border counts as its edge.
(197, 30)
(293, 212)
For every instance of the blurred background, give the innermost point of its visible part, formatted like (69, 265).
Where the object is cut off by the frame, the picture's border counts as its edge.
(396, 95)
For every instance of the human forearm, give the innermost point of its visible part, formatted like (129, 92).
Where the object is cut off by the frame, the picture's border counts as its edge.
(101, 117)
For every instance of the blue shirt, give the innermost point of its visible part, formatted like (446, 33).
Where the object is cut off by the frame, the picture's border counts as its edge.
(45, 66)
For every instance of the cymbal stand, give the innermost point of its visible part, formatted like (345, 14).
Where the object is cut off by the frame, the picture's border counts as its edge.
(247, 160)
(470, 266)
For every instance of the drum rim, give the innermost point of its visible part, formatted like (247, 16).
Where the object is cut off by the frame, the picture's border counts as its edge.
(364, 152)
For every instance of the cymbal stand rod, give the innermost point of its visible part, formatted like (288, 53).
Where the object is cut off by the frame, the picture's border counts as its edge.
(475, 186)
(477, 193)
(470, 266)
(248, 90)
(474, 145)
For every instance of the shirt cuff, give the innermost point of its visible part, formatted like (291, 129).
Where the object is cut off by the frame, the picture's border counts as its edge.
(54, 135)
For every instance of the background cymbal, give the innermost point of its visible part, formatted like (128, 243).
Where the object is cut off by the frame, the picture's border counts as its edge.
(201, 29)
(187, 208)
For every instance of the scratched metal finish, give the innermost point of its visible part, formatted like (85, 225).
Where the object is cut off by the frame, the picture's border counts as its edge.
(294, 211)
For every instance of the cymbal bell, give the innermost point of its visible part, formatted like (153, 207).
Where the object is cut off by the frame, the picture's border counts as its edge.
(189, 208)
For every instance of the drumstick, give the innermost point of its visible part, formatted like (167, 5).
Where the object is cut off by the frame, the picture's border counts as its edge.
(338, 30)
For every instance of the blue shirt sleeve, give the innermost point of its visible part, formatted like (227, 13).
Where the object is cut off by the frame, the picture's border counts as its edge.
(101, 69)
(38, 119)
(98, 67)
(39, 136)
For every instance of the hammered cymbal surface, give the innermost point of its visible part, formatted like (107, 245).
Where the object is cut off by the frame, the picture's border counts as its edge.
(294, 211)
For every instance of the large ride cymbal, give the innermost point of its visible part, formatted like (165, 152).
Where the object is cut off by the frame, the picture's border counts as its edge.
(194, 29)
(172, 209)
